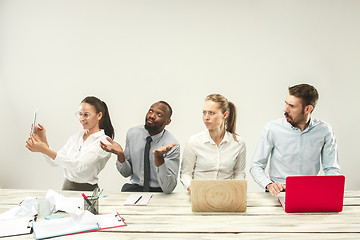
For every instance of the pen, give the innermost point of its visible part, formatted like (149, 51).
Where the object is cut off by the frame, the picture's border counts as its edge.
(100, 193)
(137, 200)
(93, 209)
(86, 199)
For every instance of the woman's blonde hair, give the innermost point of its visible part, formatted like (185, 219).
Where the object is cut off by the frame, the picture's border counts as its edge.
(226, 106)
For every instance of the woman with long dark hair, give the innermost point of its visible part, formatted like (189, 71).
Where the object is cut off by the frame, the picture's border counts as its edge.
(82, 157)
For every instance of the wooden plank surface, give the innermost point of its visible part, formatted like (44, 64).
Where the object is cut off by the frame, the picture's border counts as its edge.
(217, 236)
(186, 210)
(237, 224)
(261, 199)
(199, 236)
(170, 216)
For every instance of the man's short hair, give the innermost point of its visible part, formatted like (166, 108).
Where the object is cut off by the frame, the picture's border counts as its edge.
(306, 92)
(168, 105)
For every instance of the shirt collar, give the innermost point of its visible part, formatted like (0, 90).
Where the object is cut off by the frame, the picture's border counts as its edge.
(227, 137)
(155, 138)
(311, 124)
(91, 138)
(207, 138)
(94, 135)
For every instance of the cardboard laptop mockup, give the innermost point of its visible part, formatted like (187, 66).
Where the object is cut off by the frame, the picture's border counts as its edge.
(314, 194)
(218, 195)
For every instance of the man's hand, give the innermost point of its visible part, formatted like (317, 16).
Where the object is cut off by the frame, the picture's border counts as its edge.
(164, 149)
(275, 188)
(159, 154)
(114, 147)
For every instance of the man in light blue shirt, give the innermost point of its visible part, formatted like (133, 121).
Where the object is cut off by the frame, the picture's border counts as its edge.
(296, 144)
(163, 153)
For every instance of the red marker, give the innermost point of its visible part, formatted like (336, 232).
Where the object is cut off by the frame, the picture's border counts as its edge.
(86, 199)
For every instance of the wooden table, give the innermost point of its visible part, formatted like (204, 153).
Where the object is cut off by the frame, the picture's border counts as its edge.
(170, 217)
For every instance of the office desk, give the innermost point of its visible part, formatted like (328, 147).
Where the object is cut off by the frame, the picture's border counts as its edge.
(170, 217)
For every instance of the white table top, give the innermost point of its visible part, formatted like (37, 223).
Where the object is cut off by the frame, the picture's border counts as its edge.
(170, 216)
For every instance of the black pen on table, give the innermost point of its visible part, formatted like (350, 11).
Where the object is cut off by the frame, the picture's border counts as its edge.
(137, 200)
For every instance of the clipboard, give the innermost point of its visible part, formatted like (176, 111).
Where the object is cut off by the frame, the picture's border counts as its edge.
(68, 226)
(16, 226)
(110, 220)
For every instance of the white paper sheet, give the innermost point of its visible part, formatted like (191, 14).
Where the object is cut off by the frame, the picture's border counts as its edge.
(138, 199)
(17, 226)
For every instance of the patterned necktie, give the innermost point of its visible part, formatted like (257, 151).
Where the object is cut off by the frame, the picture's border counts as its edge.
(147, 165)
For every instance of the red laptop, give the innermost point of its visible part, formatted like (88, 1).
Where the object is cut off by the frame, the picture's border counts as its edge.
(314, 194)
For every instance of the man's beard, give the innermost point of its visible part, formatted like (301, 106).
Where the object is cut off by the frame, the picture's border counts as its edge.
(291, 120)
(287, 115)
(149, 127)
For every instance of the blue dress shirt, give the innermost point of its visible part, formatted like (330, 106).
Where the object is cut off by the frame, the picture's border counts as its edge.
(164, 176)
(294, 153)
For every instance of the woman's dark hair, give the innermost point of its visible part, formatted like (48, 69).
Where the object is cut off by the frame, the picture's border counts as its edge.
(105, 122)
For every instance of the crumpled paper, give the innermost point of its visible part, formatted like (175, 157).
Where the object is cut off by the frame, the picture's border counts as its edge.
(26, 208)
(58, 202)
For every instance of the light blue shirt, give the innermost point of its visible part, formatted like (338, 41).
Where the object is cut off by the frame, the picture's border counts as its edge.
(164, 176)
(294, 153)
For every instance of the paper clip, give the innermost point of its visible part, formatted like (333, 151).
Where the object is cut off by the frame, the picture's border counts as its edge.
(118, 217)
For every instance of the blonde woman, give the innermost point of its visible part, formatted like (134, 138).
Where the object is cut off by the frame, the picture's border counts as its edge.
(218, 152)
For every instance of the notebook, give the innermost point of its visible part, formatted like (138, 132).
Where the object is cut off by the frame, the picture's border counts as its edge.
(16, 226)
(314, 194)
(218, 195)
(68, 226)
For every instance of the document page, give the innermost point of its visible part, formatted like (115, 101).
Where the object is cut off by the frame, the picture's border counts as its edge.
(138, 199)
(59, 227)
(16, 226)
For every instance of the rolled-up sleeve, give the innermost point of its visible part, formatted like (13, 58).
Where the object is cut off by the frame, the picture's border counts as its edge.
(329, 155)
(187, 165)
(167, 173)
(239, 169)
(260, 159)
(125, 168)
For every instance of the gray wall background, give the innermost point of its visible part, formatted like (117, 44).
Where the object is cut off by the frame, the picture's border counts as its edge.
(131, 53)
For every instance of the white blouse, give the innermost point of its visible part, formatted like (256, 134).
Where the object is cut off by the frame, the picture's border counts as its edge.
(82, 160)
(203, 159)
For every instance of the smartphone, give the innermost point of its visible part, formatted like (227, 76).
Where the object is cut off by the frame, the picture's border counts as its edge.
(34, 121)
